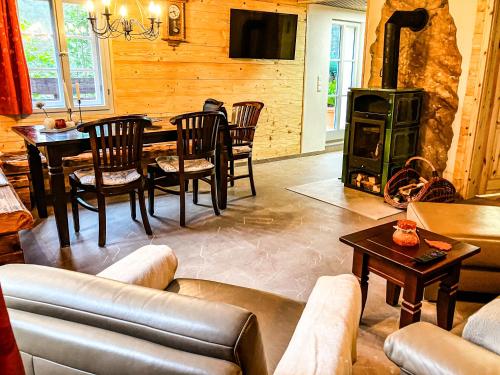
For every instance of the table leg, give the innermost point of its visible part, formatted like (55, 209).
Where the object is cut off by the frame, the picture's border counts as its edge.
(447, 298)
(412, 301)
(360, 270)
(58, 196)
(36, 172)
(392, 293)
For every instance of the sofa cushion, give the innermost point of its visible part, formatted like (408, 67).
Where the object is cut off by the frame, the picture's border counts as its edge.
(184, 323)
(51, 346)
(477, 225)
(277, 316)
(483, 327)
(152, 266)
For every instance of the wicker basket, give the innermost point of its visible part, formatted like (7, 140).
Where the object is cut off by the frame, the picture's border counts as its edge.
(437, 189)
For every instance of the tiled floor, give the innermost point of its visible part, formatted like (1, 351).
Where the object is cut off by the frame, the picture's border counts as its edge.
(278, 241)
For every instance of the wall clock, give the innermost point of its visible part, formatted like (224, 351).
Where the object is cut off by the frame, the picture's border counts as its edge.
(175, 24)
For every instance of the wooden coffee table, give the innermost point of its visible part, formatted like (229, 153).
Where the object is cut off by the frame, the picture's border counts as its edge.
(375, 252)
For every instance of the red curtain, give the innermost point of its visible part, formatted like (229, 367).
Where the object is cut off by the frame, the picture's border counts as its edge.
(15, 90)
(10, 359)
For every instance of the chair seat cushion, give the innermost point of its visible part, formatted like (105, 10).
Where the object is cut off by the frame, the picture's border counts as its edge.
(244, 149)
(78, 161)
(277, 316)
(86, 176)
(171, 164)
(151, 152)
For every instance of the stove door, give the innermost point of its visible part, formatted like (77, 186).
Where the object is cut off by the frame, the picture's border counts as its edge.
(366, 147)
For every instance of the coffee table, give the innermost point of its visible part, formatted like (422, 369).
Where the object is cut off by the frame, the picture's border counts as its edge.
(374, 251)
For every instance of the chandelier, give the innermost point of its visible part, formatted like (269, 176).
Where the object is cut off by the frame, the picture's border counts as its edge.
(130, 28)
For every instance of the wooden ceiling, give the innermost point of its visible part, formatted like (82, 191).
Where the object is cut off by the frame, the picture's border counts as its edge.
(347, 4)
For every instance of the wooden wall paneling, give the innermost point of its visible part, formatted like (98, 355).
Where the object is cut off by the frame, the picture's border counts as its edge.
(470, 159)
(490, 175)
(160, 80)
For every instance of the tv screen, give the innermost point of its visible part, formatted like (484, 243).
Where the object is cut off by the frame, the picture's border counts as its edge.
(262, 35)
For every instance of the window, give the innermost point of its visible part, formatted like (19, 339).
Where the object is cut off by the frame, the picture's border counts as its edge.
(61, 49)
(344, 72)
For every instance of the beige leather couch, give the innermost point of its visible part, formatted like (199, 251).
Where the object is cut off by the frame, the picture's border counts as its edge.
(72, 323)
(477, 225)
(425, 349)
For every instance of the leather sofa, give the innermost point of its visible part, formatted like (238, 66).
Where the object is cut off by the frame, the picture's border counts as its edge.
(425, 349)
(477, 225)
(72, 323)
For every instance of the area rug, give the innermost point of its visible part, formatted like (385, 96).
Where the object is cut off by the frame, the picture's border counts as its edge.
(332, 191)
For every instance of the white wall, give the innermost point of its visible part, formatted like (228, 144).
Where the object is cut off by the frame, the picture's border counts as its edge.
(317, 61)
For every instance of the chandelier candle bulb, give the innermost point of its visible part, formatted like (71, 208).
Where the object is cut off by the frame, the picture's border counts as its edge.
(106, 4)
(123, 11)
(157, 12)
(90, 8)
(152, 9)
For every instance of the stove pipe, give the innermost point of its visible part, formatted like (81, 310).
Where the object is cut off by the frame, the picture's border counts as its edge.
(416, 21)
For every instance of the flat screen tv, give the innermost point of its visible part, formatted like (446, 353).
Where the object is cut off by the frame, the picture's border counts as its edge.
(262, 35)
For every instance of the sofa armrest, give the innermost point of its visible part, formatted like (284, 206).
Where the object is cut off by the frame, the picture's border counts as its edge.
(425, 349)
(151, 266)
(324, 341)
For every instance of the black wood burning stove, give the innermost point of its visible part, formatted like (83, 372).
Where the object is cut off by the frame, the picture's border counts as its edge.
(381, 134)
(382, 125)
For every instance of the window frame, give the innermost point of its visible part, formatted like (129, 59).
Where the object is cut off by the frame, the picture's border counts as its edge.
(62, 56)
(356, 62)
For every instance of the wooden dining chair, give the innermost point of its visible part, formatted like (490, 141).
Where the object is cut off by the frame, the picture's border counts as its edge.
(197, 134)
(245, 115)
(116, 145)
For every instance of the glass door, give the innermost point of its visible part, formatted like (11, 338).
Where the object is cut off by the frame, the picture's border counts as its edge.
(345, 69)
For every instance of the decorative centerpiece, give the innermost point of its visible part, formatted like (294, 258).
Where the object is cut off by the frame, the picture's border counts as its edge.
(60, 124)
(48, 123)
(406, 234)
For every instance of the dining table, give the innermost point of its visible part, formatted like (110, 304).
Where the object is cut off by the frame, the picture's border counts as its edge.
(56, 146)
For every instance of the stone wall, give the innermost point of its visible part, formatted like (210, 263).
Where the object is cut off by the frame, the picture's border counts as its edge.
(429, 59)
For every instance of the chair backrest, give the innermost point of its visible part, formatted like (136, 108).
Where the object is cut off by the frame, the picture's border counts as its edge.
(196, 135)
(116, 143)
(245, 115)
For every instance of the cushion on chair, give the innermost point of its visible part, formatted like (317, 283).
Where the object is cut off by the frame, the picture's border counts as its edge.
(151, 266)
(170, 164)
(153, 151)
(483, 327)
(277, 316)
(87, 177)
(78, 161)
(241, 149)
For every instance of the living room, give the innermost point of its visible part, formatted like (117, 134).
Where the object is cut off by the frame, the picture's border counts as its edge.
(316, 180)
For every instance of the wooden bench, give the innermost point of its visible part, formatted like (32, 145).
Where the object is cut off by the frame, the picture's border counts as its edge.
(13, 217)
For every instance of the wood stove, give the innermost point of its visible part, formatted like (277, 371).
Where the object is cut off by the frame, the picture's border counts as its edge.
(382, 125)
(381, 133)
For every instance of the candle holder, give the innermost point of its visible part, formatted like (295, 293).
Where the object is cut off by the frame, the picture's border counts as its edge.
(70, 113)
(80, 110)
